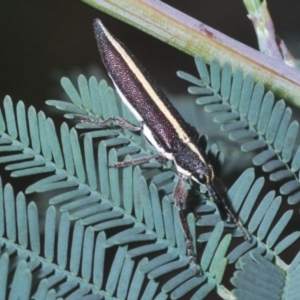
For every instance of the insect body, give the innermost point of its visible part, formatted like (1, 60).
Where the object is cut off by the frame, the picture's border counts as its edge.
(161, 123)
(163, 126)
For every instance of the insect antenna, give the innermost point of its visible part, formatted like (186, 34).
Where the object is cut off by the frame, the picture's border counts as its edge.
(217, 192)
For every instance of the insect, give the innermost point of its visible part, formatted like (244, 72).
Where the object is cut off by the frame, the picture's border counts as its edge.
(161, 124)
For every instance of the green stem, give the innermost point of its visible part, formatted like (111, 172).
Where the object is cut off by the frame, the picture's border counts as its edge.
(263, 25)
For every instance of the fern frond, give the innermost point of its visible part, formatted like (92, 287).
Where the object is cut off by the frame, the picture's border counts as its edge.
(35, 270)
(250, 117)
(122, 224)
(270, 281)
(72, 172)
(144, 200)
(266, 240)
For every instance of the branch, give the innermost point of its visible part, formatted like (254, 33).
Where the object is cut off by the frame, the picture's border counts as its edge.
(263, 25)
(193, 37)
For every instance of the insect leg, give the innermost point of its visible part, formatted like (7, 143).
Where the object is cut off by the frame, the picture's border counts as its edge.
(137, 161)
(118, 120)
(129, 126)
(224, 210)
(180, 196)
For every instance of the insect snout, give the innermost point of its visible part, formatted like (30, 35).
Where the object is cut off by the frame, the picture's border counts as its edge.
(204, 175)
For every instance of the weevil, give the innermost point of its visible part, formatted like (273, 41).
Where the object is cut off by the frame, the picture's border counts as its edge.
(161, 124)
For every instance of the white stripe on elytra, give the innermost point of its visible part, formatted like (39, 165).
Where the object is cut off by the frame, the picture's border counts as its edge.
(146, 130)
(181, 133)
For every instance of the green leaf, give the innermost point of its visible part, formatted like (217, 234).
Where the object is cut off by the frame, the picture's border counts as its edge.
(215, 69)
(202, 69)
(211, 246)
(71, 91)
(226, 81)
(116, 269)
(268, 279)
(10, 117)
(236, 89)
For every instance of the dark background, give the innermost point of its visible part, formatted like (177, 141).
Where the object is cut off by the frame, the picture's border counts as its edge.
(41, 41)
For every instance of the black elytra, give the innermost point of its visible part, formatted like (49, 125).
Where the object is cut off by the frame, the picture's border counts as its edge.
(162, 125)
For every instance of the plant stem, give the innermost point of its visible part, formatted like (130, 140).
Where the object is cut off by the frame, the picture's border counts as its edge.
(193, 37)
(263, 25)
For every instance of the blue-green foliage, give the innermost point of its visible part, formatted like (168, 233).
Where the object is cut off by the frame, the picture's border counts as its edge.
(263, 127)
(107, 233)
